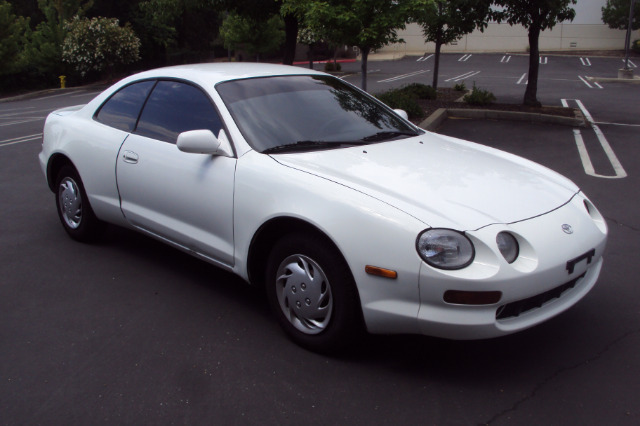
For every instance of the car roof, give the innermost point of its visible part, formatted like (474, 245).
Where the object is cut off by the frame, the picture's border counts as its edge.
(213, 73)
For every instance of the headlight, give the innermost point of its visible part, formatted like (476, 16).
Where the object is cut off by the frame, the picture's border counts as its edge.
(445, 248)
(508, 246)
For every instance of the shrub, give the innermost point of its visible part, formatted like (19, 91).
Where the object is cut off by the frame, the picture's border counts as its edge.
(479, 97)
(420, 91)
(331, 66)
(99, 43)
(460, 87)
(635, 46)
(402, 99)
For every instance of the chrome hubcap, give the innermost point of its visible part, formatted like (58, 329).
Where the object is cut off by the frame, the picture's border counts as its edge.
(304, 294)
(70, 202)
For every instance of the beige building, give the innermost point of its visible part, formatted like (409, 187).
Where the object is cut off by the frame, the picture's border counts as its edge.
(585, 32)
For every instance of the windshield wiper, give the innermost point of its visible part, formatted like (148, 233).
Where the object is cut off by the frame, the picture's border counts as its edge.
(387, 135)
(310, 145)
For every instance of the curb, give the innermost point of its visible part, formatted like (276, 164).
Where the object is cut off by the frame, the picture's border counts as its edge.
(634, 80)
(436, 119)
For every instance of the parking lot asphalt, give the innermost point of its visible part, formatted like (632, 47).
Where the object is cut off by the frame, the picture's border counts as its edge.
(130, 331)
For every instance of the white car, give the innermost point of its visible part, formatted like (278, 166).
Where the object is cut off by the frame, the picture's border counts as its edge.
(351, 217)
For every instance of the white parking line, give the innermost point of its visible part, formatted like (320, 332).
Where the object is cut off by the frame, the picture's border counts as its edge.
(62, 94)
(464, 76)
(30, 120)
(584, 154)
(522, 78)
(544, 60)
(465, 58)
(595, 83)
(585, 82)
(16, 110)
(631, 64)
(505, 59)
(423, 58)
(84, 94)
(21, 139)
(586, 62)
(400, 77)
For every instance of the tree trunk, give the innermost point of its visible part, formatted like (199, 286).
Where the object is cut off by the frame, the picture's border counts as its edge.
(290, 39)
(436, 65)
(363, 67)
(310, 55)
(530, 94)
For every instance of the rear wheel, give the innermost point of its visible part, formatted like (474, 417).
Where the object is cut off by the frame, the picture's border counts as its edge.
(73, 207)
(312, 293)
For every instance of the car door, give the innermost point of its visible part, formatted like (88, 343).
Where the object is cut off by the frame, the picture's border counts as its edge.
(184, 198)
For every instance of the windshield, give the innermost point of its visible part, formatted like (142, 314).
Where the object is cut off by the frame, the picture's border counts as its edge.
(277, 114)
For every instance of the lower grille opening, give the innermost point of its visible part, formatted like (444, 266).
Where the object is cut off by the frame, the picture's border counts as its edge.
(514, 309)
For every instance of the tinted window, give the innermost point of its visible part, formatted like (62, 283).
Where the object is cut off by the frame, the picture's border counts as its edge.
(123, 108)
(176, 107)
(273, 112)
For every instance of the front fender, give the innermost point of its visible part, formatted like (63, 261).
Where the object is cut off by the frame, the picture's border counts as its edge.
(364, 229)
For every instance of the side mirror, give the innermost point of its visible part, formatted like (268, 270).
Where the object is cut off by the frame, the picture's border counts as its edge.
(204, 142)
(402, 113)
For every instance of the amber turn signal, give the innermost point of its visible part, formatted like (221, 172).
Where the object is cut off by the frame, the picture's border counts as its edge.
(381, 272)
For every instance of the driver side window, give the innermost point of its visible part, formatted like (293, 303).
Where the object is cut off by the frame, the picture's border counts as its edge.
(175, 107)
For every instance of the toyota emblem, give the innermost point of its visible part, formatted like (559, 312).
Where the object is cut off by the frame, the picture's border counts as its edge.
(567, 229)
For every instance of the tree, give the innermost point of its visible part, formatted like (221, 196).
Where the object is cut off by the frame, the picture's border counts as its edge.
(446, 21)
(156, 21)
(99, 43)
(536, 16)
(257, 36)
(616, 14)
(366, 24)
(44, 49)
(263, 10)
(12, 37)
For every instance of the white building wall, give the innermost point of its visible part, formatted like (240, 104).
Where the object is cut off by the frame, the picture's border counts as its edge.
(585, 32)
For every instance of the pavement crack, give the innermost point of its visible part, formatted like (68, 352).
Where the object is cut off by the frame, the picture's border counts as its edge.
(555, 375)
(633, 228)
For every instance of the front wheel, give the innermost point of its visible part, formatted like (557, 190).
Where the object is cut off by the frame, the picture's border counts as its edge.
(73, 207)
(311, 291)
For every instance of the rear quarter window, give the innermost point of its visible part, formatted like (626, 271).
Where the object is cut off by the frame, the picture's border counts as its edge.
(122, 109)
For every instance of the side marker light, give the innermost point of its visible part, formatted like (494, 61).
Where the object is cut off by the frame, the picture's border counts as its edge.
(381, 272)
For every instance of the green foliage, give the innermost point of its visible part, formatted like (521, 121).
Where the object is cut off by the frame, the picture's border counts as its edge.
(406, 98)
(43, 49)
(535, 16)
(159, 19)
(367, 24)
(479, 97)
(419, 91)
(253, 35)
(460, 87)
(397, 99)
(12, 39)
(444, 22)
(635, 46)
(540, 14)
(331, 66)
(99, 43)
(616, 14)
(447, 21)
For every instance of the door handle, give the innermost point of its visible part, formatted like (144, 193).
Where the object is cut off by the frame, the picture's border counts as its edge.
(130, 157)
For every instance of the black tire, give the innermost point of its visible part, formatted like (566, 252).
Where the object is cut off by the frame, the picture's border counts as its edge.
(313, 295)
(73, 207)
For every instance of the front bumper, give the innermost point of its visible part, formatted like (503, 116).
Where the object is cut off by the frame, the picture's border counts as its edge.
(551, 274)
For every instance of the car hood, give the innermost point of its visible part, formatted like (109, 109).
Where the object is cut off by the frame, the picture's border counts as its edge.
(442, 181)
